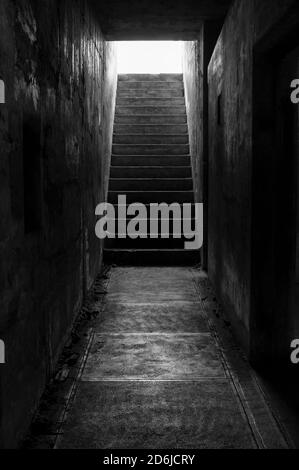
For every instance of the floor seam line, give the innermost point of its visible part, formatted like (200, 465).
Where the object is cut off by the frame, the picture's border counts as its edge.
(153, 334)
(207, 379)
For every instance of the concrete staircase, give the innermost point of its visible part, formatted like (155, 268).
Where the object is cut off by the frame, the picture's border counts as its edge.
(151, 163)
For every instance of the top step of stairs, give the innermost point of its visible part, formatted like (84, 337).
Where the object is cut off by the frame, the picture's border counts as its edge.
(163, 77)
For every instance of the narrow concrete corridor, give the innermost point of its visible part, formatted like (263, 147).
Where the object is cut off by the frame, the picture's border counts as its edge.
(158, 376)
(118, 329)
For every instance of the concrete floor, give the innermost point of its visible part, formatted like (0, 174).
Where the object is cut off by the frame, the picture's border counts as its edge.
(162, 372)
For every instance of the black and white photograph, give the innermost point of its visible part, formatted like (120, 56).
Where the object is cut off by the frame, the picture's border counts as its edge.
(149, 229)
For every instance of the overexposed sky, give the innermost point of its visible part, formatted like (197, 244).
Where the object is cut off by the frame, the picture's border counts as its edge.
(149, 56)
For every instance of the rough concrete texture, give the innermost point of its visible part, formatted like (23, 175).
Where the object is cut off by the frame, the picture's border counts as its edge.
(196, 57)
(55, 138)
(193, 80)
(145, 385)
(157, 19)
(59, 391)
(231, 187)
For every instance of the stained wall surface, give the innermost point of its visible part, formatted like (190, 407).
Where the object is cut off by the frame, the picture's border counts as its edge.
(55, 143)
(193, 80)
(231, 182)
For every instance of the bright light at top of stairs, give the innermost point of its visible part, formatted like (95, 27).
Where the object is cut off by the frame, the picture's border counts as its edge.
(149, 57)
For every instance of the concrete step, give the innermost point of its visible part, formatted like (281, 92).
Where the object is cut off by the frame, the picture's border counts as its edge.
(123, 209)
(189, 223)
(162, 92)
(181, 222)
(150, 110)
(137, 77)
(152, 257)
(150, 139)
(150, 160)
(146, 244)
(171, 129)
(165, 229)
(151, 184)
(171, 231)
(147, 84)
(169, 239)
(151, 197)
(144, 101)
(151, 172)
(148, 149)
(188, 213)
(167, 119)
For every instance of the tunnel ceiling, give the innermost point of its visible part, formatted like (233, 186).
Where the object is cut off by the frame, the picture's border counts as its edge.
(156, 19)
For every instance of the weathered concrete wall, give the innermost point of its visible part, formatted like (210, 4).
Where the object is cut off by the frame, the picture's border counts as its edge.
(55, 142)
(110, 88)
(196, 57)
(193, 81)
(230, 155)
(230, 75)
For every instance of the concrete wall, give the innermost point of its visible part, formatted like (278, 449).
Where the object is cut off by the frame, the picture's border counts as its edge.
(196, 57)
(193, 81)
(231, 185)
(274, 307)
(230, 75)
(55, 141)
(157, 19)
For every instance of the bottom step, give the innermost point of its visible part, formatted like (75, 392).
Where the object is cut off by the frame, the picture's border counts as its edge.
(152, 257)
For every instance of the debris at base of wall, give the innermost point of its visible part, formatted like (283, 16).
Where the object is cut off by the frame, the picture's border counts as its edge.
(62, 375)
(47, 422)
